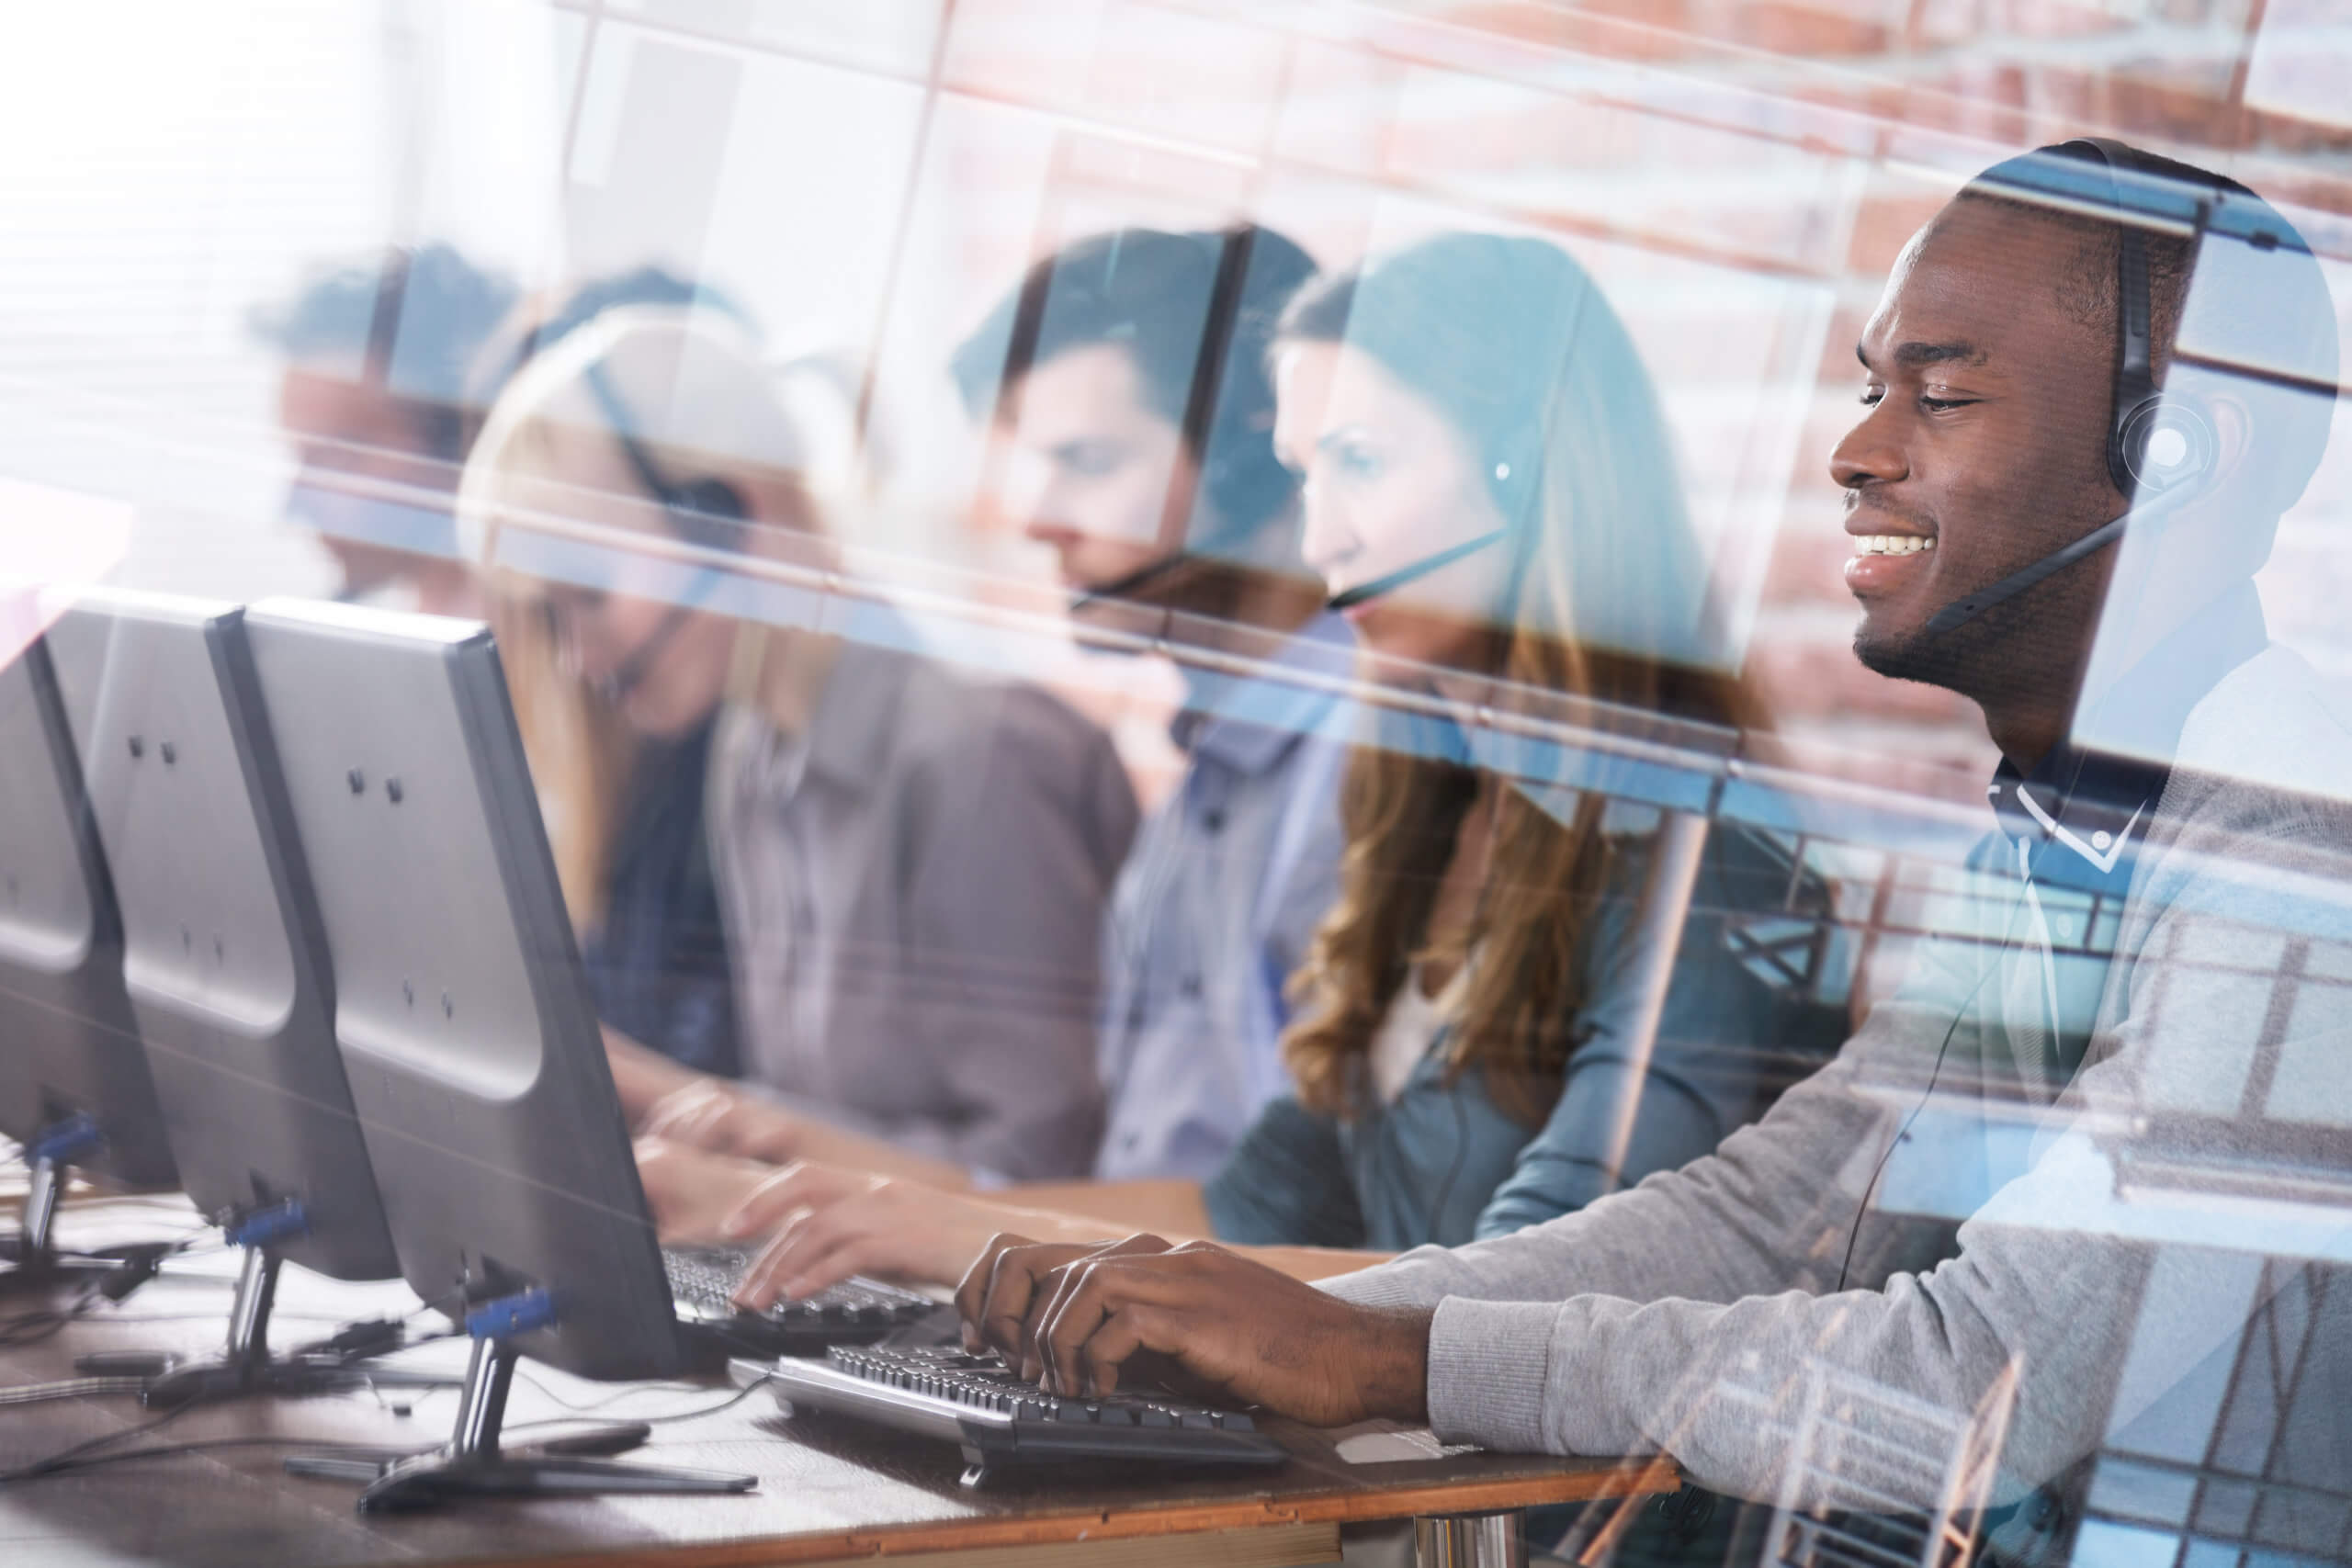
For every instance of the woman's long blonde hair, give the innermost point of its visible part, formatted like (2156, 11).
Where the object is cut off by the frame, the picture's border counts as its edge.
(701, 404)
(1515, 346)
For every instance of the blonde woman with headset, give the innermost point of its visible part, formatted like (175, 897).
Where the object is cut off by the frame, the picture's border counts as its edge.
(911, 861)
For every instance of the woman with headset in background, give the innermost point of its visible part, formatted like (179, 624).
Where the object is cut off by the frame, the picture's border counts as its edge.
(911, 863)
(1491, 491)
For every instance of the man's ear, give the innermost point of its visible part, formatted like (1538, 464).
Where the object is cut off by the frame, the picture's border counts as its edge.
(2233, 437)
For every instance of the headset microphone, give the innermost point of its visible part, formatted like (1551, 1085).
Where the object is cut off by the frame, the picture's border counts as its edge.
(627, 675)
(1364, 592)
(1965, 609)
(1126, 584)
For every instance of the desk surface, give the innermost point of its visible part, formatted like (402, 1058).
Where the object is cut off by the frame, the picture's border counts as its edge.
(829, 1489)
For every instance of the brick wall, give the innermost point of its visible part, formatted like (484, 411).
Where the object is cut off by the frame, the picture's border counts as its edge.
(1738, 174)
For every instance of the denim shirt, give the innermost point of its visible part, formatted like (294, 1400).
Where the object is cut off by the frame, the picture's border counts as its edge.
(1214, 909)
(1442, 1164)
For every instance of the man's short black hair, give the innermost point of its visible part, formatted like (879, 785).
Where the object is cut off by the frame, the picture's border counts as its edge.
(1195, 312)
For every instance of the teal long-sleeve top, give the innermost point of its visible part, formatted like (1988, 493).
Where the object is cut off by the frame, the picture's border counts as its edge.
(1442, 1164)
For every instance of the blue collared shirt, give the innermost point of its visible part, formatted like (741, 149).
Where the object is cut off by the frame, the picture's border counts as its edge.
(2068, 832)
(1215, 909)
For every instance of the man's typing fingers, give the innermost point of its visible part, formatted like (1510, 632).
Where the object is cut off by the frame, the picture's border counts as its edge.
(1055, 1291)
(1095, 1290)
(1124, 1333)
(994, 1296)
(796, 1262)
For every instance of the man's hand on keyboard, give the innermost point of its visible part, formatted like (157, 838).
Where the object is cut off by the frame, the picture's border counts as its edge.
(831, 1222)
(1074, 1315)
(691, 1192)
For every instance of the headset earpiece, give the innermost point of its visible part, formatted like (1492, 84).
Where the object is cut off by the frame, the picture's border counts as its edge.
(707, 512)
(2155, 444)
(2165, 446)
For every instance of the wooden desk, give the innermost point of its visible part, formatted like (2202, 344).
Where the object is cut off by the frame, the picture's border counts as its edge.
(830, 1490)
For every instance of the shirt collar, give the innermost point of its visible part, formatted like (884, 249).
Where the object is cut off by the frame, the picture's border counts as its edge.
(2091, 805)
(1249, 722)
(2094, 802)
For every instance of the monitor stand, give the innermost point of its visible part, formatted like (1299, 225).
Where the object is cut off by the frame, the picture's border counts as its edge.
(33, 1249)
(473, 1464)
(247, 1367)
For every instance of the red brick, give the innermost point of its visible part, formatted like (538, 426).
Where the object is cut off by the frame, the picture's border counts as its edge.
(1803, 31)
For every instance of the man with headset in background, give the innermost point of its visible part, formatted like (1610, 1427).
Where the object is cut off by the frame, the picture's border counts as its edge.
(2080, 1171)
(1124, 389)
(1127, 376)
(374, 399)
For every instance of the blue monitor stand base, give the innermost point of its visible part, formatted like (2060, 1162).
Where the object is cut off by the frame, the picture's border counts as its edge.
(247, 1367)
(37, 1264)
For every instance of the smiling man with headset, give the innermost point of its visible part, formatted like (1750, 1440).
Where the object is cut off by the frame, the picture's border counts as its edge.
(2093, 1151)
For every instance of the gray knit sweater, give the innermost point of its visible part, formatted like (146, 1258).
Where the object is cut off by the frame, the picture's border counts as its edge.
(2107, 1248)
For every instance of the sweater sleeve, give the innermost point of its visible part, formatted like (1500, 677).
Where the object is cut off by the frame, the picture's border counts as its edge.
(2094, 1301)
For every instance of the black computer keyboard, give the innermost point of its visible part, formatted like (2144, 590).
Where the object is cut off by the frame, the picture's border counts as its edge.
(856, 1312)
(982, 1404)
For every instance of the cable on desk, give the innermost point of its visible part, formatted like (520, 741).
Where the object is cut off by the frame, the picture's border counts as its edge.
(75, 1457)
(738, 1397)
(214, 1316)
(58, 1466)
(33, 1327)
(595, 1407)
(369, 1338)
(138, 1265)
(90, 1455)
(68, 1388)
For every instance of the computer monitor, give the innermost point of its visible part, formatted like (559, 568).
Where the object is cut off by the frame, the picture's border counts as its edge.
(474, 1054)
(75, 1088)
(224, 957)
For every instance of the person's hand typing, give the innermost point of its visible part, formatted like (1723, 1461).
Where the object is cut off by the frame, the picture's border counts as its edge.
(1072, 1317)
(829, 1224)
(692, 1192)
(710, 1113)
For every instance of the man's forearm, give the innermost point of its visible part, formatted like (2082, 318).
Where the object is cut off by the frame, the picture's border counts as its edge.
(1171, 1207)
(819, 1140)
(641, 1078)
